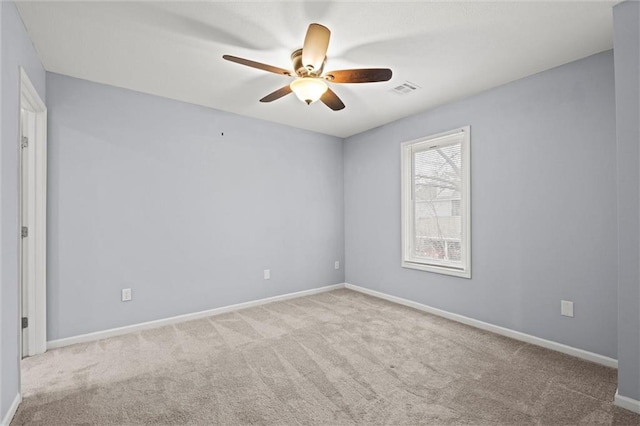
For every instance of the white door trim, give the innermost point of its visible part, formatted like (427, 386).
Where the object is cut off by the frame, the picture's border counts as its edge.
(36, 333)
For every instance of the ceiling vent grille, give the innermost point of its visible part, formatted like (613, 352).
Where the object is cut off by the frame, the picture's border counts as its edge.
(405, 88)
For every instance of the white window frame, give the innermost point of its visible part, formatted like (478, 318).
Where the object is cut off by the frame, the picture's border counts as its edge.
(406, 154)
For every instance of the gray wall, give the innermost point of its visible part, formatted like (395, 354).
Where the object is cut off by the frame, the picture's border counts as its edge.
(627, 65)
(9, 389)
(543, 170)
(16, 50)
(147, 193)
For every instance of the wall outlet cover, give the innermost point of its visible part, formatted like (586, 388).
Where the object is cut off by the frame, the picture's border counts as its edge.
(566, 308)
(267, 274)
(126, 294)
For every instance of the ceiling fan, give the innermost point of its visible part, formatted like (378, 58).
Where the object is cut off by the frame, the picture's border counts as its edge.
(308, 64)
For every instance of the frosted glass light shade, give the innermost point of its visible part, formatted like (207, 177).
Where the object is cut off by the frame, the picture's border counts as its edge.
(308, 89)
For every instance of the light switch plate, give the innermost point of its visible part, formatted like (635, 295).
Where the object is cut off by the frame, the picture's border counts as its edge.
(267, 274)
(126, 294)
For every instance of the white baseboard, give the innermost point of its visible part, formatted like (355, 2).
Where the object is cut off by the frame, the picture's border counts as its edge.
(89, 337)
(627, 403)
(6, 421)
(559, 347)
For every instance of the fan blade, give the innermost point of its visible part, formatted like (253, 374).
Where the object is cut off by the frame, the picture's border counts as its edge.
(283, 91)
(332, 100)
(316, 43)
(258, 65)
(363, 75)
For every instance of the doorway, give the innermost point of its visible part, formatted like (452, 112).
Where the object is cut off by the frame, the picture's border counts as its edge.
(33, 210)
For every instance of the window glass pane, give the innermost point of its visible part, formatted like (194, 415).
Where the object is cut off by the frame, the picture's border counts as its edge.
(437, 189)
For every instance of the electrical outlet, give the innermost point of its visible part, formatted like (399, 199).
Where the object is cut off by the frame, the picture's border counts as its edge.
(267, 274)
(126, 294)
(566, 308)
(337, 265)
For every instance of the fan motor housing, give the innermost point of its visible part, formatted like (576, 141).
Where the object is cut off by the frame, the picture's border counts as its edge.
(300, 69)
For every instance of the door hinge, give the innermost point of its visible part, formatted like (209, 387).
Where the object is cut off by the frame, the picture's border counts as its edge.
(25, 322)
(24, 232)
(24, 142)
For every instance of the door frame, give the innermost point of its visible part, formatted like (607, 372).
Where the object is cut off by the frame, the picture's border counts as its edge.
(33, 289)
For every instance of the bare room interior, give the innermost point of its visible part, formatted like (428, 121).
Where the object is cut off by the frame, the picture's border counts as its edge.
(320, 213)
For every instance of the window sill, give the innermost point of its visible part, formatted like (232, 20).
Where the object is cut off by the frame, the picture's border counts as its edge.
(462, 273)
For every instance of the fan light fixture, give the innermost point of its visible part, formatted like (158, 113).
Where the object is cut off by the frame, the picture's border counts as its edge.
(308, 89)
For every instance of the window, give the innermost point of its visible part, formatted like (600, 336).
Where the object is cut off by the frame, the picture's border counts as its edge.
(436, 218)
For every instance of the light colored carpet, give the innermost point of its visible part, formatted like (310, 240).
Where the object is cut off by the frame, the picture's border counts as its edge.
(337, 358)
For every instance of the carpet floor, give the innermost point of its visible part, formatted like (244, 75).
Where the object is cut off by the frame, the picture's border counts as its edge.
(336, 358)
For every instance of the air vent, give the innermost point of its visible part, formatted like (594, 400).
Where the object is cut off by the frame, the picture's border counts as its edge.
(406, 87)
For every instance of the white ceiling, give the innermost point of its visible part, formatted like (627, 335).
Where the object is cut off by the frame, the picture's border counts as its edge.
(450, 49)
